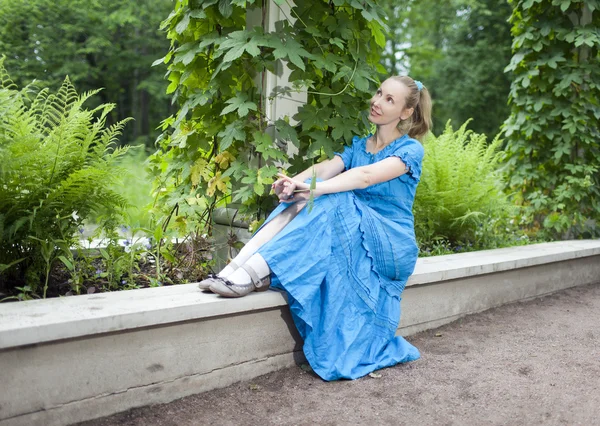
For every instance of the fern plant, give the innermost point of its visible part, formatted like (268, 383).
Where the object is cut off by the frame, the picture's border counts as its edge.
(57, 162)
(460, 198)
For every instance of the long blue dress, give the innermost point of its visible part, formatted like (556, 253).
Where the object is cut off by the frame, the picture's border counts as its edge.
(344, 266)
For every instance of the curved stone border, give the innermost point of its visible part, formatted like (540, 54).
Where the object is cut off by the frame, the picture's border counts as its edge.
(75, 358)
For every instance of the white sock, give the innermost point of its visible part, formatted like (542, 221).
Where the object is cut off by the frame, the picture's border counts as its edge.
(257, 263)
(265, 234)
(245, 253)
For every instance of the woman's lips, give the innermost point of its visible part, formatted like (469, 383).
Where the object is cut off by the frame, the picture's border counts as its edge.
(374, 111)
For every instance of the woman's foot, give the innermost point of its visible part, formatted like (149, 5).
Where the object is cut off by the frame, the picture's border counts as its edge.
(230, 288)
(204, 285)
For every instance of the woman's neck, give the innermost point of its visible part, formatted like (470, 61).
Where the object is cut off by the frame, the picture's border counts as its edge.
(385, 135)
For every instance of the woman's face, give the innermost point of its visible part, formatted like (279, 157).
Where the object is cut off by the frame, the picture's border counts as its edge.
(388, 104)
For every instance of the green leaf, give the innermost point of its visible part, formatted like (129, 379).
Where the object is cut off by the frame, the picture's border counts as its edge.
(304, 366)
(538, 105)
(198, 14)
(250, 178)
(234, 53)
(259, 189)
(337, 42)
(560, 150)
(292, 50)
(168, 255)
(286, 132)
(5, 266)
(232, 132)
(241, 104)
(377, 33)
(210, 39)
(225, 8)
(183, 24)
(159, 61)
(188, 57)
(264, 145)
(158, 233)
(361, 83)
(347, 33)
(312, 187)
(174, 79)
(252, 48)
(67, 263)
(104, 253)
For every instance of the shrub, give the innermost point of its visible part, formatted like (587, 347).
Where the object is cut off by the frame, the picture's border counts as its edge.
(135, 186)
(553, 131)
(460, 201)
(57, 162)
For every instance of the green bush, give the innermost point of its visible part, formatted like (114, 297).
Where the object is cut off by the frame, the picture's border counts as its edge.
(460, 203)
(553, 132)
(57, 165)
(135, 186)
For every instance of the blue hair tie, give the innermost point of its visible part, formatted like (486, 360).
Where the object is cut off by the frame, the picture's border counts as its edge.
(419, 85)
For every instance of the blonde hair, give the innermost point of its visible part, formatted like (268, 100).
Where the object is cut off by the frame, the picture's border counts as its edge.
(419, 123)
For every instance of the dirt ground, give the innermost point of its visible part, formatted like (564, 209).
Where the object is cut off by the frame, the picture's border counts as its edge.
(529, 363)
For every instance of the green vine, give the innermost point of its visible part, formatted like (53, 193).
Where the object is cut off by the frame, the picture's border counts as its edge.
(220, 145)
(553, 133)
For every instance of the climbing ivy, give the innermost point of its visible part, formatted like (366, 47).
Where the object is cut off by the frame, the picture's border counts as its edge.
(553, 131)
(220, 146)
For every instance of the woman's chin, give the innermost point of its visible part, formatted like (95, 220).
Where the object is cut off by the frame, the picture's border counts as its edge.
(373, 119)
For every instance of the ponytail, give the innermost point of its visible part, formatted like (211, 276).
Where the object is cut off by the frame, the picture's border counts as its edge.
(419, 123)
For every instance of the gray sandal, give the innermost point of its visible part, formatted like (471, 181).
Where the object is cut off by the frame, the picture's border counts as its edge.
(226, 288)
(204, 285)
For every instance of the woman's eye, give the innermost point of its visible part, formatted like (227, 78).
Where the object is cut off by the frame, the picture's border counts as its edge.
(379, 91)
(390, 100)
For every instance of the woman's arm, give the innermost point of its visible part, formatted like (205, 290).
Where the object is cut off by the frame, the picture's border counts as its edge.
(284, 187)
(324, 170)
(355, 178)
(363, 177)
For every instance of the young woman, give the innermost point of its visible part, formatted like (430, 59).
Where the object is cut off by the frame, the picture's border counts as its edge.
(344, 265)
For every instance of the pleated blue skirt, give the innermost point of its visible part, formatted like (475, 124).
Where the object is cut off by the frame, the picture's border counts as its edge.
(332, 265)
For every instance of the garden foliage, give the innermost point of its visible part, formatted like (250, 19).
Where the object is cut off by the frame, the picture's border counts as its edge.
(460, 199)
(221, 145)
(554, 132)
(459, 50)
(97, 43)
(57, 162)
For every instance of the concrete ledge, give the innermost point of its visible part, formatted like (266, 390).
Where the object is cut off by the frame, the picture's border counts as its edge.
(71, 359)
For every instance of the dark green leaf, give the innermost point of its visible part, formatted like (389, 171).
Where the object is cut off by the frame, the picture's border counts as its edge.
(225, 8)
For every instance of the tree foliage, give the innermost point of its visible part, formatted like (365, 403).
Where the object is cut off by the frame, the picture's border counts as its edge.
(458, 49)
(97, 43)
(221, 145)
(553, 130)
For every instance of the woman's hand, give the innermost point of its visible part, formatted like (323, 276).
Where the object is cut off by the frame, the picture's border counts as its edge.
(289, 190)
(278, 187)
(283, 188)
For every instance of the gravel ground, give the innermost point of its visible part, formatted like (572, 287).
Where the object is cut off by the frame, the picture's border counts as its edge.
(529, 363)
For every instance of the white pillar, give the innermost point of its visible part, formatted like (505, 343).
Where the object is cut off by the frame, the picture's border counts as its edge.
(281, 105)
